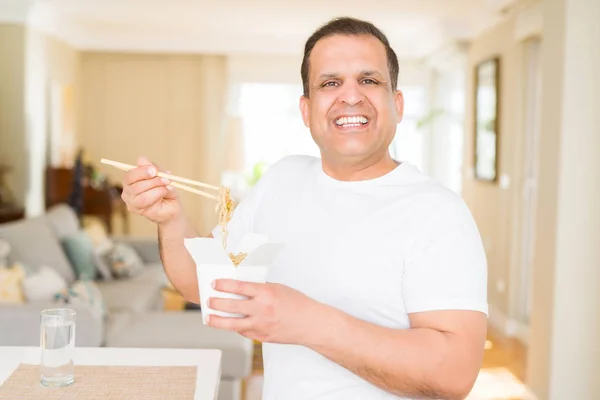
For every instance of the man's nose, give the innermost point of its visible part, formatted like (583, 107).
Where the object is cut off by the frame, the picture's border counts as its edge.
(351, 93)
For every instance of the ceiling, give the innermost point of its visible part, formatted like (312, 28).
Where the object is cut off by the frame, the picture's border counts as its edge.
(415, 27)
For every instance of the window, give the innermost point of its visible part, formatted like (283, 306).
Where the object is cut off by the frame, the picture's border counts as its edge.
(408, 145)
(272, 124)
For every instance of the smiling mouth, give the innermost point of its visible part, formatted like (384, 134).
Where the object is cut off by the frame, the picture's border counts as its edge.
(356, 121)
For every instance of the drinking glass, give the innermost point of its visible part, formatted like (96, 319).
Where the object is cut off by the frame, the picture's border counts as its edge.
(57, 342)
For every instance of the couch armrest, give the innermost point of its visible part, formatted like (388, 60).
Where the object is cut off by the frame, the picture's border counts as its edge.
(146, 248)
(20, 324)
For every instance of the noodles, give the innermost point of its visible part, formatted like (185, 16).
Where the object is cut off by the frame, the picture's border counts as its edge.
(237, 258)
(224, 210)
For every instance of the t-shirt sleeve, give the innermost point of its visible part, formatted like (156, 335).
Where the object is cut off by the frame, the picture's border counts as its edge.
(446, 267)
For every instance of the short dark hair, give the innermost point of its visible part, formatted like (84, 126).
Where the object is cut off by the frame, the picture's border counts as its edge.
(348, 26)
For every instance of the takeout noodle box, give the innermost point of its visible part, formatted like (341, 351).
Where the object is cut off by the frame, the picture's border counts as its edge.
(213, 262)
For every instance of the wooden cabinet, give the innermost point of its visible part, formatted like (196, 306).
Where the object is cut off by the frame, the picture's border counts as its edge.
(102, 202)
(10, 214)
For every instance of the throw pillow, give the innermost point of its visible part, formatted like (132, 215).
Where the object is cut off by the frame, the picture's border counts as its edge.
(95, 230)
(43, 284)
(85, 293)
(124, 261)
(4, 252)
(11, 280)
(100, 250)
(102, 244)
(80, 252)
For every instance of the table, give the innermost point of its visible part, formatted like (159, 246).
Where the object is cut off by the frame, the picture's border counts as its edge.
(208, 362)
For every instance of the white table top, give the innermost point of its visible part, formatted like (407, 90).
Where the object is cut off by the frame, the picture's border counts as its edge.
(208, 362)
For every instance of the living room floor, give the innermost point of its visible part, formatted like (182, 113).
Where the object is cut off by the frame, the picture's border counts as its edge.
(501, 376)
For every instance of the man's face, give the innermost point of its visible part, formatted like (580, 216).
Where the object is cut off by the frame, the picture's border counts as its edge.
(352, 110)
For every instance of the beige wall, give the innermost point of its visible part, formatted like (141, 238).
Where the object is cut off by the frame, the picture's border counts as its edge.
(564, 357)
(12, 107)
(563, 349)
(168, 108)
(496, 209)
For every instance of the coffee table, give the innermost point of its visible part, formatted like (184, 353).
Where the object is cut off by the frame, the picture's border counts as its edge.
(207, 361)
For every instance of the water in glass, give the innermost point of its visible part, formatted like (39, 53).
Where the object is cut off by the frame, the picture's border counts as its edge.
(57, 345)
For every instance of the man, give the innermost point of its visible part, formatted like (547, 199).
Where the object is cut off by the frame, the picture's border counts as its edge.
(380, 292)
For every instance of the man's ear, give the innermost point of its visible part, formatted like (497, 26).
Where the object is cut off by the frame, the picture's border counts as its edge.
(304, 107)
(399, 103)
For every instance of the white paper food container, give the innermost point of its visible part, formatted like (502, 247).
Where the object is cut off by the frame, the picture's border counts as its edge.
(212, 262)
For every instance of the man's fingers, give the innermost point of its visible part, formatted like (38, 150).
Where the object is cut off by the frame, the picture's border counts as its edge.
(144, 162)
(230, 324)
(138, 174)
(248, 289)
(139, 187)
(235, 306)
(149, 197)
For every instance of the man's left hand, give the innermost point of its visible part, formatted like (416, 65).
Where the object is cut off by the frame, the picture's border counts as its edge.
(273, 312)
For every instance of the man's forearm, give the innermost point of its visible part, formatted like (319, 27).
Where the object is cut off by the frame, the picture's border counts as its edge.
(417, 363)
(178, 263)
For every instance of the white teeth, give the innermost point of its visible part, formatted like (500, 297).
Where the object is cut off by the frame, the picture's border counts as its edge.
(352, 120)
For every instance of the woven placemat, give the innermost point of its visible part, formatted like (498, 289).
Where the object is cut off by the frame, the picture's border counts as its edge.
(105, 382)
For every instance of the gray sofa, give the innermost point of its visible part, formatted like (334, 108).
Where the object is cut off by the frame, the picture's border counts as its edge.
(134, 305)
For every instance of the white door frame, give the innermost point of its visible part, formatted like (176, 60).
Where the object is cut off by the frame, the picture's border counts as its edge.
(529, 184)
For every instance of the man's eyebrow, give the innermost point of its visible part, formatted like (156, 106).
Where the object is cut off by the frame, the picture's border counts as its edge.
(332, 75)
(371, 73)
(328, 76)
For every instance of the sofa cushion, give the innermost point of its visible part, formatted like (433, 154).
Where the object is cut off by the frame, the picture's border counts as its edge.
(43, 284)
(4, 252)
(21, 324)
(152, 274)
(80, 251)
(85, 293)
(116, 323)
(184, 330)
(101, 243)
(11, 289)
(231, 388)
(102, 267)
(124, 295)
(33, 243)
(63, 220)
(123, 260)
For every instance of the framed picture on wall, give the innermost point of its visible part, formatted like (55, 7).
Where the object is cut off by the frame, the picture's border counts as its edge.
(487, 100)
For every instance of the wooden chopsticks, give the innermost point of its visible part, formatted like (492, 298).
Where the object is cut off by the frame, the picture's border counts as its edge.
(173, 178)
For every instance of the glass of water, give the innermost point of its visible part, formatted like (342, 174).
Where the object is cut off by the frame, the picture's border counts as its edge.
(57, 341)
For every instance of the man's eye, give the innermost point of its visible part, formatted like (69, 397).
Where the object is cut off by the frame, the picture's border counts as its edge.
(330, 83)
(369, 81)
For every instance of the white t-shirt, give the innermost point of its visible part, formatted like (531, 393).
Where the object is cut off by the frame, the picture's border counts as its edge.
(377, 250)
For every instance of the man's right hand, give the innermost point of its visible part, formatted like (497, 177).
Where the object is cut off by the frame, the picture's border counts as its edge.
(149, 195)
